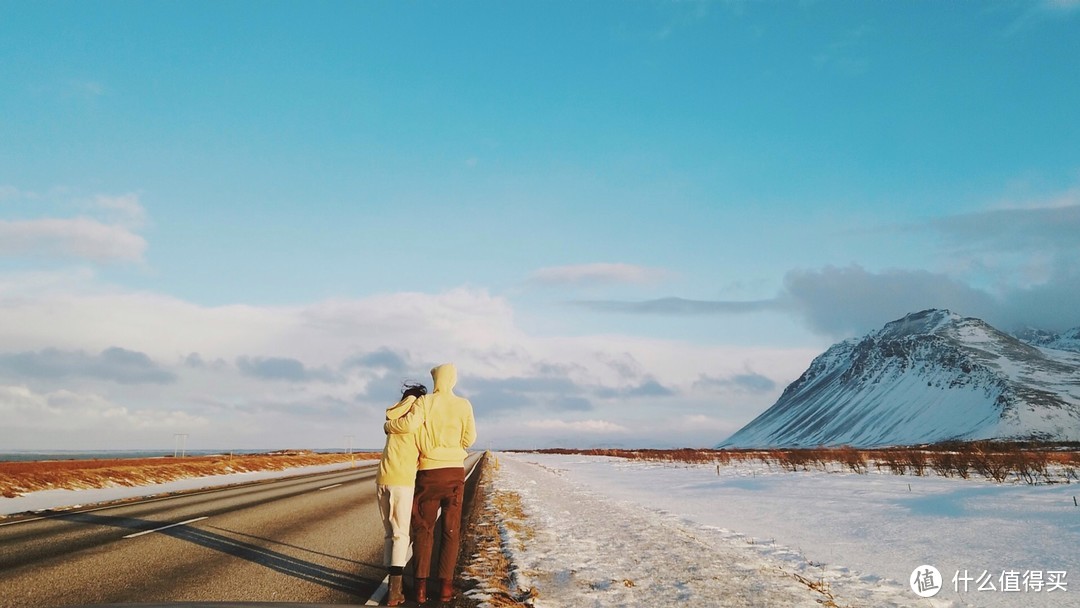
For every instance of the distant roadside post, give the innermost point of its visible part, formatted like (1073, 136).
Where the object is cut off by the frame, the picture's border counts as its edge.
(180, 444)
(348, 449)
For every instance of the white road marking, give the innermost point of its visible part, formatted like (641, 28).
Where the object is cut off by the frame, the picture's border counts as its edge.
(473, 469)
(376, 598)
(336, 485)
(166, 527)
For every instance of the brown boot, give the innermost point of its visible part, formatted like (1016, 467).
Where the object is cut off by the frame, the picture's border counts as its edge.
(421, 590)
(395, 597)
(446, 589)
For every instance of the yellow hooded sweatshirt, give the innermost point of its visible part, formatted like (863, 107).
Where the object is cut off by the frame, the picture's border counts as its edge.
(449, 428)
(397, 467)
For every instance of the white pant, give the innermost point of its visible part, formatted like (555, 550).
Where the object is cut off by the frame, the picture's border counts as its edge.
(395, 504)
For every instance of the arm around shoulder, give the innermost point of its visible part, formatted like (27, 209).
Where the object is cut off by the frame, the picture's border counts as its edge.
(408, 423)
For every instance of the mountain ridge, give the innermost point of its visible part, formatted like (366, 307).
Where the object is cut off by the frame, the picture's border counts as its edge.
(1067, 340)
(929, 377)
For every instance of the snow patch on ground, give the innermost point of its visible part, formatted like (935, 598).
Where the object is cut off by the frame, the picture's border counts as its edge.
(614, 532)
(592, 548)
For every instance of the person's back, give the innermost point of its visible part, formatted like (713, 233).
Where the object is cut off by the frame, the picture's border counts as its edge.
(449, 427)
(395, 479)
(440, 483)
(400, 456)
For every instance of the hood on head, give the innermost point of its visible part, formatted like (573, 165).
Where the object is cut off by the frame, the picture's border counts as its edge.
(445, 377)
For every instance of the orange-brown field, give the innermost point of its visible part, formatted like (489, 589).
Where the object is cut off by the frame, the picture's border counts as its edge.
(1027, 462)
(17, 478)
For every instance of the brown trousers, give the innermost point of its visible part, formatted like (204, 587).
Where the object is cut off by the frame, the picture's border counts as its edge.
(437, 489)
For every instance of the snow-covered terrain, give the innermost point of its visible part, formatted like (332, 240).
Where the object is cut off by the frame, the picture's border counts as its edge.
(929, 377)
(1067, 340)
(611, 532)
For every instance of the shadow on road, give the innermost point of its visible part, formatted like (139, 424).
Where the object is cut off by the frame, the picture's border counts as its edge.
(346, 582)
(298, 548)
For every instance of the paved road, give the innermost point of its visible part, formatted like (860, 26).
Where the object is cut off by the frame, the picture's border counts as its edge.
(314, 539)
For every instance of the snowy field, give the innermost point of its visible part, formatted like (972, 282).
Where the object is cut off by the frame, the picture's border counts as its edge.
(612, 532)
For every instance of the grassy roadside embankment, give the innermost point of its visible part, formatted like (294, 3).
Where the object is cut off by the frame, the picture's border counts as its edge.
(488, 573)
(22, 477)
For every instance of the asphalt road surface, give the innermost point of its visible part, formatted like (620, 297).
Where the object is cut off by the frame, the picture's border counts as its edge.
(311, 539)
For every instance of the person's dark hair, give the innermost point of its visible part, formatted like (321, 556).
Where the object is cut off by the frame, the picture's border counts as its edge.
(413, 389)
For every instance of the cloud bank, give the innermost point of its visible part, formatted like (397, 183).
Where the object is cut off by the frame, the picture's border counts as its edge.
(1027, 260)
(136, 367)
(114, 363)
(82, 238)
(111, 239)
(81, 358)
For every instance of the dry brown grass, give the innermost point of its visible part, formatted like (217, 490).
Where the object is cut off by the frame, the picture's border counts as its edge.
(1027, 462)
(497, 520)
(17, 478)
(821, 586)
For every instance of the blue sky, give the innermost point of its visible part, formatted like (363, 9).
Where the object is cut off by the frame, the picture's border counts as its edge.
(628, 223)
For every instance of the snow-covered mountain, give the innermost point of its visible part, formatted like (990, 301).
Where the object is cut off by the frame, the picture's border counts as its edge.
(931, 376)
(1069, 340)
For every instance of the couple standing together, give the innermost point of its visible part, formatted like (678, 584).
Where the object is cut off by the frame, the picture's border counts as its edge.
(421, 471)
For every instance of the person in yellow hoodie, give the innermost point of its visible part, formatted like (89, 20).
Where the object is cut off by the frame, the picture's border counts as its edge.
(395, 483)
(448, 430)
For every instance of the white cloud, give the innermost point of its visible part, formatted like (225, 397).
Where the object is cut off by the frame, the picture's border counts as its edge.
(113, 364)
(106, 232)
(599, 273)
(843, 302)
(9, 193)
(1066, 198)
(1062, 5)
(699, 422)
(82, 238)
(626, 429)
(23, 284)
(577, 426)
(1037, 13)
(1013, 264)
(25, 410)
(470, 327)
(125, 210)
